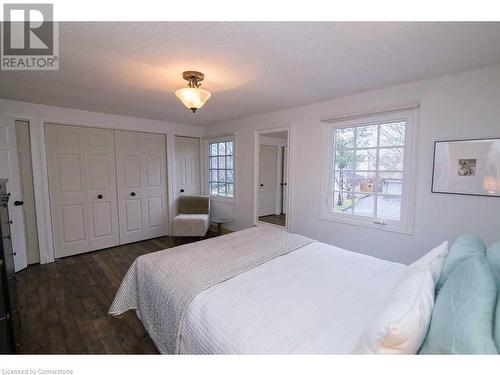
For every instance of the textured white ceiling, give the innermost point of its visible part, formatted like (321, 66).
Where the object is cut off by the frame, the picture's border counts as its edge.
(251, 68)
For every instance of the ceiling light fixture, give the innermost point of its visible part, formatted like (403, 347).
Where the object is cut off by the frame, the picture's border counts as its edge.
(192, 96)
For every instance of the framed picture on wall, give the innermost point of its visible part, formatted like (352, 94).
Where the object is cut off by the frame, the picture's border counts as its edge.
(468, 167)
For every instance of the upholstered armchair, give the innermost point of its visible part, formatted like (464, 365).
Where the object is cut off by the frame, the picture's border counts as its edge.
(192, 218)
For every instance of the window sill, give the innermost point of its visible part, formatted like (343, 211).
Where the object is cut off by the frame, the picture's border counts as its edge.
(403, 229)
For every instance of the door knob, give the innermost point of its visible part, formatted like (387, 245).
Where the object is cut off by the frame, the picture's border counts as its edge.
(182, 190)
(18, 203)
(132, 194)
(99, 196)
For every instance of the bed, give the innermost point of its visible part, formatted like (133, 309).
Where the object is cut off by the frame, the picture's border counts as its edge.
(266, 291)
(305, 297)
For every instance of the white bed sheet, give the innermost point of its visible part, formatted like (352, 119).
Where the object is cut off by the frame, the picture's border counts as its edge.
(317, 299)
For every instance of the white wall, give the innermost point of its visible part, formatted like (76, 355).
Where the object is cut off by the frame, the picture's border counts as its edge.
(38, 115)
(465, 105)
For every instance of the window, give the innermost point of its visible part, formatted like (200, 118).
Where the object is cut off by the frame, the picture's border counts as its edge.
(221, 168)
(369, 170)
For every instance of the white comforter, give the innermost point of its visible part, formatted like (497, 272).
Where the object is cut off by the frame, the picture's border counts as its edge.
(317, 299)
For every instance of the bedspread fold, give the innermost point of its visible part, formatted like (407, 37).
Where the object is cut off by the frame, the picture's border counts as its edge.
(161, 285)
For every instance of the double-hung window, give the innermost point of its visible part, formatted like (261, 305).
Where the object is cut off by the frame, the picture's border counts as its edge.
(221, 167)
(369, 179)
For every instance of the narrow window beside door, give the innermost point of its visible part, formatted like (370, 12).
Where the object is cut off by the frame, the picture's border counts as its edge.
(221, 168)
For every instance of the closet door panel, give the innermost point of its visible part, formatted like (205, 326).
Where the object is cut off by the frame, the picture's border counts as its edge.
(65, 156)
(154, 184)
(141, 181)
(99, 146)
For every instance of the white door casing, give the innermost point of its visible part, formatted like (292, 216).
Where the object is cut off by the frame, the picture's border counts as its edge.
(285, 179)
(9, 169)
(27, 191)
(267, 179)
(141, 185)
(82, 187)
(187, 166)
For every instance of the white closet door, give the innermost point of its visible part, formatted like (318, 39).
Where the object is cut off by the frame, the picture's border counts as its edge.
(100, 182)
(9, 169)
(66, 166)
(187, 166)
(268, 157)
(82, 186)
(142, 185)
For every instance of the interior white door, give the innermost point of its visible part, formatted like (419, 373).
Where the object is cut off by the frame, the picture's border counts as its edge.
(82, 188)
(267, 179)
(187, 166)
(27, 191)
(141, 185)
(9, 169)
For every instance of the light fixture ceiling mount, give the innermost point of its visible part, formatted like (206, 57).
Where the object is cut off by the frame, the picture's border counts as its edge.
(193, 97)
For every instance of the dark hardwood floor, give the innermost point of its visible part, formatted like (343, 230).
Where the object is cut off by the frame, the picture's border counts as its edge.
(65, 303)
(274, 219)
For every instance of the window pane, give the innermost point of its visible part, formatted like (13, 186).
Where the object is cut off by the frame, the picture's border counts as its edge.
(366, 136)
(213, 188)
(222, 175)
(229, 148)
(213, 175)
(229, 190)
(222, 148)
(366, 160)
(343, 180)
(213, 149)
(229, 162)
(344, 138)
(342, 202)
(390, 183)
(344, 160)
(389, 207)
(222, 162)
(391, 159)
(364, 182)
(213, 163)
(222, 189)
(364, 204)
(392, 134)
(229, 176)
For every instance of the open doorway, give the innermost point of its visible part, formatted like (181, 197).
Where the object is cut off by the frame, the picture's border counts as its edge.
(272, 177)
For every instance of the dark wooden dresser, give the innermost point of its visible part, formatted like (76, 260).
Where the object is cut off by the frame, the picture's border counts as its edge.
(10, 321)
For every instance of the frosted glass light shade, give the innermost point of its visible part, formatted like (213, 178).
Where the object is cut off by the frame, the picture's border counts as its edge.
(193, 98)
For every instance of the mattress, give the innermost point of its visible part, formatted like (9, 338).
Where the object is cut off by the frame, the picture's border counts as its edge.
(314, 300)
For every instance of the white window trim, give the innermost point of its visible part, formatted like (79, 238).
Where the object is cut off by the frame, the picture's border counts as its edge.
(205, 160)
(405, 225)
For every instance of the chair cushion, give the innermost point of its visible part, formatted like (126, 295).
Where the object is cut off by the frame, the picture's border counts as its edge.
(187, 204)
(190, 225)
(462, 320)
(464, 247)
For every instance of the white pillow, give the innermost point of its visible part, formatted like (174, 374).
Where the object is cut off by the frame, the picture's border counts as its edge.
(402, 324)
(433, 260)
